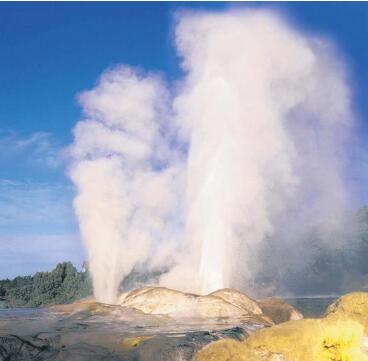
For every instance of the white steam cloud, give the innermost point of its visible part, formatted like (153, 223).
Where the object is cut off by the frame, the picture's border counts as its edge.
(123, 180)
(251, 144)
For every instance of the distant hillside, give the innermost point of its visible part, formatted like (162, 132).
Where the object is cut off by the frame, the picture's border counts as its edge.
(64, 284)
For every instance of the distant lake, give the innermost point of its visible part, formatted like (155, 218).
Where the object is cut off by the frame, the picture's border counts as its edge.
(311, 306)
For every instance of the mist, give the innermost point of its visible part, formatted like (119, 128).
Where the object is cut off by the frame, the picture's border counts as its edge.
(212, 175)
(121, 172)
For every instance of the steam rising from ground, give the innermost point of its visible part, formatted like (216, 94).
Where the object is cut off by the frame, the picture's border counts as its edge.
(249, 146)
(125, 190)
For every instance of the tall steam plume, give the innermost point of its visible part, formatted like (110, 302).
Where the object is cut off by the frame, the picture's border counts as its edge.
(123, 178)
(249, 145)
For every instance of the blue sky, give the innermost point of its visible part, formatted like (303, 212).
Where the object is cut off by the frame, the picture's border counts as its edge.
(51, 51)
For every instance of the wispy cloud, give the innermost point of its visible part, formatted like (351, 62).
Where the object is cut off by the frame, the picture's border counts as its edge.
(34, 204)
(36, 227)
(37, 147)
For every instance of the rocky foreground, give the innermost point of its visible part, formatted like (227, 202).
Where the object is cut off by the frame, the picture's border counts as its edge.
(154, 323)
(341, 335)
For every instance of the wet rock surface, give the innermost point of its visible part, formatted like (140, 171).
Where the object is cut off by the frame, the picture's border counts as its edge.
(157, 324)
(85, 347)
(180, 347)
(17, 348)
(148, 324)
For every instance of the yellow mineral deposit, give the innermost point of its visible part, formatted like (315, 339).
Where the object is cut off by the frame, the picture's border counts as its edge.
(131, 342)
(352, 305)
(339, 336)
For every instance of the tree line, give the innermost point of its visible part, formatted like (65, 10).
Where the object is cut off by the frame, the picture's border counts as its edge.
(64, 284)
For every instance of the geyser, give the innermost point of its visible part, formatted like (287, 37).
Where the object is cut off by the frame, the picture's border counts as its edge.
(196, 178)
(124, 193)
(264, 110)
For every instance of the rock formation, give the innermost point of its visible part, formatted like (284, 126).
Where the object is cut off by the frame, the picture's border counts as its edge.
(225, 303)
(278, 310)
(352, 306)
(340, 336)
(164, 301)
(238, 299)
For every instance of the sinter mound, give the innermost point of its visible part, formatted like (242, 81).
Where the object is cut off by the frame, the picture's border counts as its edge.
(225, 303)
